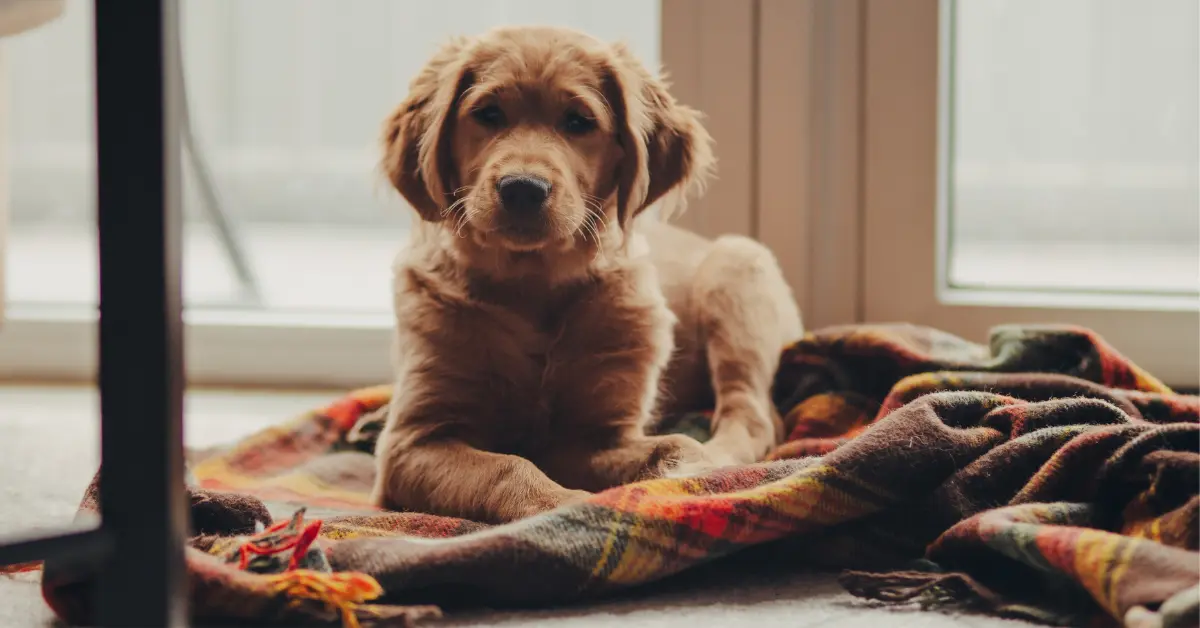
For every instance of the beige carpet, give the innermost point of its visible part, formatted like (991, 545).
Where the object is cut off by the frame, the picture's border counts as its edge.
(49, 440)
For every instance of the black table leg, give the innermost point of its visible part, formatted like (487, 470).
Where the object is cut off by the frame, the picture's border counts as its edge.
(141, 370)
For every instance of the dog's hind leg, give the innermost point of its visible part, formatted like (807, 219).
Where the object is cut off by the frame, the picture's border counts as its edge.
(747, 314)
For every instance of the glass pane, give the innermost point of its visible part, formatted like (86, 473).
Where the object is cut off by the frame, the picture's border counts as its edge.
(1073, 161)
(49, 435)
(286, 100)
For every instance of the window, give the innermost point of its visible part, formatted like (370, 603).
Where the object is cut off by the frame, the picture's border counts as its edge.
(290, 229)
(1070, 147)
(968, 164)
(943, 196)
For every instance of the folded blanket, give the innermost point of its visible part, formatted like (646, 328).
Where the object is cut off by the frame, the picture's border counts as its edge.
(1043, 476)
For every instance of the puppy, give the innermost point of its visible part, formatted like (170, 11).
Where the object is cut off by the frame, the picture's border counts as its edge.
(539, 327)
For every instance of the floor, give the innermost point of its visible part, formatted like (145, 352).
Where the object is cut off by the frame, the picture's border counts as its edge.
(49, 451)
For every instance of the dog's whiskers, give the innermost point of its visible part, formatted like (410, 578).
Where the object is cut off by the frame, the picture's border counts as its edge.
(592, 220)
(462, 216)
(459, 225)
(593, 206)
(453, 207)
(461, 222)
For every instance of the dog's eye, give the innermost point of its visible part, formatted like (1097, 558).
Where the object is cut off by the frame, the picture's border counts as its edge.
(490, 116)
(578, 124)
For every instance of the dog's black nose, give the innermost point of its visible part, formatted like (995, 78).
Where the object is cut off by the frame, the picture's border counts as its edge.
(522, 193)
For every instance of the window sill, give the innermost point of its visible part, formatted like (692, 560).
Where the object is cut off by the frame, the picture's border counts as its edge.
(221, 348)
(1050, 299)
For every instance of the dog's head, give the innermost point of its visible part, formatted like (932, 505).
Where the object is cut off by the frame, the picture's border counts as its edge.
(530, 139)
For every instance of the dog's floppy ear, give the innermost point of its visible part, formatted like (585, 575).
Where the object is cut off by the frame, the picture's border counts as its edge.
(666, 148)
(417, 136)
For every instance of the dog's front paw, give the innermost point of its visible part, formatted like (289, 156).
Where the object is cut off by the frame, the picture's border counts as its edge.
(676, 456)
(546, 503)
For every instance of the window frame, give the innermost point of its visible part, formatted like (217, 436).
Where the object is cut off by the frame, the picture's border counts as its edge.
(905, 132)
(809, 152)
(851, 175)
(699, 39)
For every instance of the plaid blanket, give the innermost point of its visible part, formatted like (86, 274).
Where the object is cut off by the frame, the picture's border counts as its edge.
(1041, 476)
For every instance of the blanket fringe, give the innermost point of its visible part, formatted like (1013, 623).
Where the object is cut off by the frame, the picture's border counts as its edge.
(342, 592)
(927, 589)
(12, 570)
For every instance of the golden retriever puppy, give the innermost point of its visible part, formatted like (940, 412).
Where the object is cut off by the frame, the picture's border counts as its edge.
(539, 328)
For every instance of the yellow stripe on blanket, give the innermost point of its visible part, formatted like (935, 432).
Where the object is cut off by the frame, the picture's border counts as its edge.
(303, 484)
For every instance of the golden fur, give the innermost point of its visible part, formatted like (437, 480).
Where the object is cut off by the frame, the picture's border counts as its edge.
(534, 347)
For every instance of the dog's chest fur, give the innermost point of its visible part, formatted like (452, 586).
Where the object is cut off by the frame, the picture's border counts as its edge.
(574, 361)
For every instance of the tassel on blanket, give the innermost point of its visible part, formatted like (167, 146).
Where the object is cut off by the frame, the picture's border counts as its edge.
(927, 589)
(344, 592)
(285, 546)
(936, 589)
(288, 554)
(12, 570)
